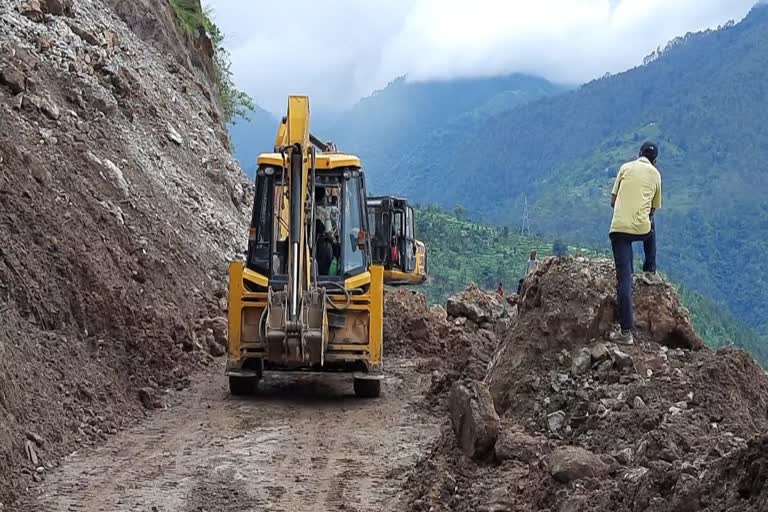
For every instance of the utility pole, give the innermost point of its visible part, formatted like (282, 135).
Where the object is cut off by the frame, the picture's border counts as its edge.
(525, 228)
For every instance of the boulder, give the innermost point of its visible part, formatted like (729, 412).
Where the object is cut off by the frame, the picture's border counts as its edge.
(571, 463)
(474, 418)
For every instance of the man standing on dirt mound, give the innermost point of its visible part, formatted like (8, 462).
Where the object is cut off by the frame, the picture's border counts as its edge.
(636, 195)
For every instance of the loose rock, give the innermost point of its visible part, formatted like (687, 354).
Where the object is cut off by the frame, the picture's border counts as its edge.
(621, 359)
(573, 463)
(556, 421)
(599, 352)
(582, 362)
(12, 77)
(474, 418)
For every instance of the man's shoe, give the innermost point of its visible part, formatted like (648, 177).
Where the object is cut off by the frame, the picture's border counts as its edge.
(652, 278)
(622, 338)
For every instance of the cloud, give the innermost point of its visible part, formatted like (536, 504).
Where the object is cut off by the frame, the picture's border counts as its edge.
(340, 50)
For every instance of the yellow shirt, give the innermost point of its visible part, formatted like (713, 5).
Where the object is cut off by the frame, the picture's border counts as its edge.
(637, 190)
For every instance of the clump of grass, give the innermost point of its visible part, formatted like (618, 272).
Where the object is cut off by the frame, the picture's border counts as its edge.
(191, 18)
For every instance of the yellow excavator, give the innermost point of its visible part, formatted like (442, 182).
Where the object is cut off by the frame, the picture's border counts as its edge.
(309, 296)
(393, 242)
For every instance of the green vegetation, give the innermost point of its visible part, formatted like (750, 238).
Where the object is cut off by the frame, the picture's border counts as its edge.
(192, 19)
(461, 251)
(719, 328)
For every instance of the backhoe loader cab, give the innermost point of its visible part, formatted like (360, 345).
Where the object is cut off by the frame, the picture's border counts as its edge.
(308, 296)
(393, 241)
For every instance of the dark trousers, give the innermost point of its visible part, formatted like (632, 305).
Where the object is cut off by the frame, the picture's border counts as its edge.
(621, 243)
(324, 256)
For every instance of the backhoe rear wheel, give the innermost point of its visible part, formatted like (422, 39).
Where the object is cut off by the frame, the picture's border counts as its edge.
(367, 388)
(242, 386)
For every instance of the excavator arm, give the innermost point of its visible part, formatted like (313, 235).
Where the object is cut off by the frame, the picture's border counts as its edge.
(296, 324)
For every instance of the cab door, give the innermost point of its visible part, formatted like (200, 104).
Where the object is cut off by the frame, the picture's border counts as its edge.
(409, 257)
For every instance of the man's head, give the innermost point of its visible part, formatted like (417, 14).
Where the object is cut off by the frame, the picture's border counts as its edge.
(533, 254)
(650, 150)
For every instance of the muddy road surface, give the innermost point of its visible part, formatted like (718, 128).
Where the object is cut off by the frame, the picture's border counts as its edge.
(302, 443)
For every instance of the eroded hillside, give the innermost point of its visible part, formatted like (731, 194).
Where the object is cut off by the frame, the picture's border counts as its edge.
(119, 206)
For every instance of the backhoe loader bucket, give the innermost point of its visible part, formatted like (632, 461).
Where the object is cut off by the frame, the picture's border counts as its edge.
(297, 343)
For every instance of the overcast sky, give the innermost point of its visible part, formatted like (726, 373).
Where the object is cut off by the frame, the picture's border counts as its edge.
(340, 50)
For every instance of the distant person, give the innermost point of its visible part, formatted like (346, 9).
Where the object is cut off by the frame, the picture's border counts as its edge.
(520, 286)
(636, 195)
(500, 291)
(533, 263)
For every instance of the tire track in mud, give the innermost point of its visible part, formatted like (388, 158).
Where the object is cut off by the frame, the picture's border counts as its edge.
(302, 443)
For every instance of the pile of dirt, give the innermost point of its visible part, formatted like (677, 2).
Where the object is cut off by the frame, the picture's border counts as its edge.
(454, 343)
(587, 425)
(411, 327)
(119, 208)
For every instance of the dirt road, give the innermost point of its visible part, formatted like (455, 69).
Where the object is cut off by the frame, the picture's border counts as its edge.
(301, 444)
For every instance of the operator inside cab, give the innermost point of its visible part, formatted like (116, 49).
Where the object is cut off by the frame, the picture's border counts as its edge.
(327, 247)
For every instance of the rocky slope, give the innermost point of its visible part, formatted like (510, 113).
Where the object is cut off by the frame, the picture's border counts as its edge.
(561, 420)
(119, 207)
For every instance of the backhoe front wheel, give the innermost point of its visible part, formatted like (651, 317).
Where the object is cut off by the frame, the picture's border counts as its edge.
(367, 388)
(243, 386)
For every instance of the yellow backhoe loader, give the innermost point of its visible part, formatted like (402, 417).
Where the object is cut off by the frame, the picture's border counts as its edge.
(393, 242)
(309, 296)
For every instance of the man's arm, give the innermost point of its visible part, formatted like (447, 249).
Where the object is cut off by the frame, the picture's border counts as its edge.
(656, 199)
(616, 185)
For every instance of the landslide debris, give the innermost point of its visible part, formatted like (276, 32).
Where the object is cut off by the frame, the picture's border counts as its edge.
(119, 207)
(455, 343)
(585, 425)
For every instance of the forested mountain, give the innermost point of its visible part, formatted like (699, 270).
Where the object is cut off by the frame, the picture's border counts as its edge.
(461, 251)
(389, 123)
(704, 99)
(253, 136)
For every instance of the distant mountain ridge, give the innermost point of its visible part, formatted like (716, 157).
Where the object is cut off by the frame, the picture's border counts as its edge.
(392, 121)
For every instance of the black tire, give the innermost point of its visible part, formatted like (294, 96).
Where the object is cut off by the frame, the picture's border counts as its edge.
(368, 388)
(243, 386)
